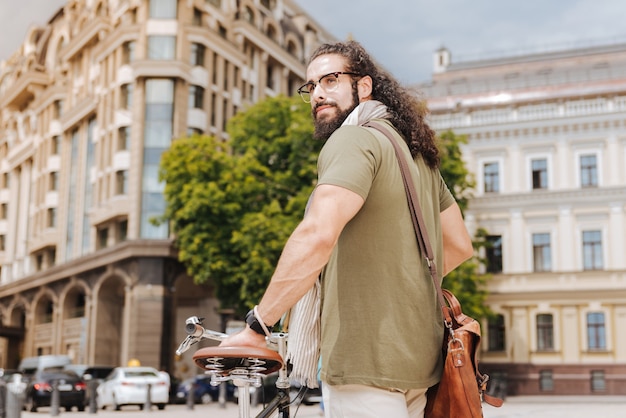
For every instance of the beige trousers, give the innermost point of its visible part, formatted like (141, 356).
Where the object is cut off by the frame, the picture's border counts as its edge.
(358, 401)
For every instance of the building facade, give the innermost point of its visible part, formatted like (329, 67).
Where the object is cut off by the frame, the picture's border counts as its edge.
(546, 142)
(87, 106)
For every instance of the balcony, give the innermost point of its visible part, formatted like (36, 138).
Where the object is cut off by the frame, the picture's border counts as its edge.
(24, 89)
(161, 69)
(92, 30)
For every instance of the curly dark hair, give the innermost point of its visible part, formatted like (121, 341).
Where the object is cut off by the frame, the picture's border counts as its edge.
(407, 112)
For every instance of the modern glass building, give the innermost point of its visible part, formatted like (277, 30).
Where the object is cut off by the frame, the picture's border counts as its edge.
(88, 104)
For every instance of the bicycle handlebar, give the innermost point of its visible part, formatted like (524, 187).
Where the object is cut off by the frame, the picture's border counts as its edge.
(196, 332)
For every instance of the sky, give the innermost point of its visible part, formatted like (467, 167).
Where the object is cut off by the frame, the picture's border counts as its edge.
(404, 34)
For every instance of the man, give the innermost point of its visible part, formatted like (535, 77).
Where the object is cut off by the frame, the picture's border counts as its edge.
(381, 324)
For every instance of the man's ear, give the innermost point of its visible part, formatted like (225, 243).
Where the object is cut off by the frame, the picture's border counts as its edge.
(364, 88)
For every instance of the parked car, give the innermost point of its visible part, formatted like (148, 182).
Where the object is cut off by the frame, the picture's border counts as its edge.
(41, 384)
(204, 392)
(90, 375)
(31, 365)
(88, 372)
(99, 373)
(129, 386)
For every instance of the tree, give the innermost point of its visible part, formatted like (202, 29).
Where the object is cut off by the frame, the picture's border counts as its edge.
(465, 282)
(233, 205)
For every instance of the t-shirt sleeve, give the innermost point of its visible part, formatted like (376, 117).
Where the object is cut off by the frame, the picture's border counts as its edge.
(446, 199)
(349, 159)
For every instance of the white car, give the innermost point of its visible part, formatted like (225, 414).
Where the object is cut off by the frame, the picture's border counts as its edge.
(129, 386)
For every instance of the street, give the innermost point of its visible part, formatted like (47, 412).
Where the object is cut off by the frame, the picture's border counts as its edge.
(514, 407)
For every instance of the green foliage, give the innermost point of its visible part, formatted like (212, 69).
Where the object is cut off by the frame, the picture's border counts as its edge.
(457, 177)
(465, 282)
(233, 205)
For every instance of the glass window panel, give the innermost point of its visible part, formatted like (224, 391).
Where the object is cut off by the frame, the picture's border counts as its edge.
(197, 54)
(598, 381)
(163, 9)
(161, 47)
(546, 382)
(592, 250)
(542, 255)
(159, 91)
(153, 155)
(588, 171)
(159, 112)
(151, 181)
(492, 177)
(540, 174)
(153, 206)
(493, 249)
(496, 341)
(158, 134)
(545, 332)
(596, 332)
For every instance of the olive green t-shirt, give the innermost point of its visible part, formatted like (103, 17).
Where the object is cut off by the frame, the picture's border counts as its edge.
(381, 325)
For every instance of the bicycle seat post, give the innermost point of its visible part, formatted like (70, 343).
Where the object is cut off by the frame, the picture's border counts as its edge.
(281, 342)
(243, 386)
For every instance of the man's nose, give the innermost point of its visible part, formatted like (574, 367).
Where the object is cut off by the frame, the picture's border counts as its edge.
(317, 94)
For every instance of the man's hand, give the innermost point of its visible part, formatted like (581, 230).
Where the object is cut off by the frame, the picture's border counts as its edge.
(245, 338)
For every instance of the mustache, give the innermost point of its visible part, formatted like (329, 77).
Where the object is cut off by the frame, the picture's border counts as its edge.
(324, 103)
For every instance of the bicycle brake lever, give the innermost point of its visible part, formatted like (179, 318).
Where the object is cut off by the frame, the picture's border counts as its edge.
(187, 342)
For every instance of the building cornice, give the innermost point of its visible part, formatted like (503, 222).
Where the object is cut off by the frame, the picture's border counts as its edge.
(98, 259)
(453, 102)
(548, 198)
(579, 287)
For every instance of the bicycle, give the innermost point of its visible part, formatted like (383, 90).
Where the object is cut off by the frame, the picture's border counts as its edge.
(245, 366)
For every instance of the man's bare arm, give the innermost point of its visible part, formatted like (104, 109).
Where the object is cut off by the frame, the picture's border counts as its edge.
(457, 244)
(306, 252)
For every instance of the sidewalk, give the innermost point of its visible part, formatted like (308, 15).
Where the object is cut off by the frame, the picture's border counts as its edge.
(559, 407)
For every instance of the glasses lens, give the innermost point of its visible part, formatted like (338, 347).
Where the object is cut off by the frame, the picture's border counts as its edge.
(330, 82)
(305, 91)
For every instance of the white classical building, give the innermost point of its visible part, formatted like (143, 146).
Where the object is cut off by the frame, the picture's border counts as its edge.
(546, 142)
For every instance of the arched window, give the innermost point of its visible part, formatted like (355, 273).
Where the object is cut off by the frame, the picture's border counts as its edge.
(271, 32)
(292, 48)
(248, 15)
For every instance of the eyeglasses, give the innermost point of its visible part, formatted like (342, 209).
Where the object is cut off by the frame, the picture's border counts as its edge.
(328, 83)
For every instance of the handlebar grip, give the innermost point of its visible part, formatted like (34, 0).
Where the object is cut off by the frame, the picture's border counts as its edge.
(194, 330)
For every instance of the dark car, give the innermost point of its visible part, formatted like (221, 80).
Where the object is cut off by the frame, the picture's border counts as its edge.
(204, 392)
(86, 372)
(40, 386)
(93, 376)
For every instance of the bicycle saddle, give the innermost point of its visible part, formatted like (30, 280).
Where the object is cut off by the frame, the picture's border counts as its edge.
(226, 359)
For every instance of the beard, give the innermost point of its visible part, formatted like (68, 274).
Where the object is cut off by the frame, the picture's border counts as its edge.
(325, 128)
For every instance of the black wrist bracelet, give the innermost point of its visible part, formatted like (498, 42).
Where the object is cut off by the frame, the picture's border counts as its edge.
(255, 325)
